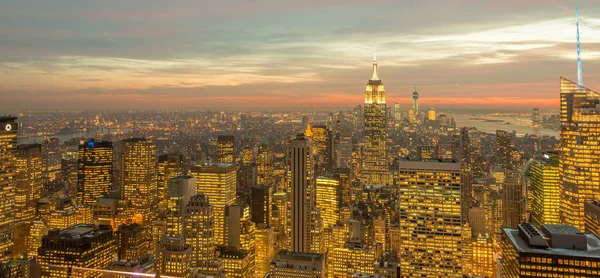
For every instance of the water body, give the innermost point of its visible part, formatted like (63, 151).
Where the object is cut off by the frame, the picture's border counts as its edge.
(68, 136)
(518, 124)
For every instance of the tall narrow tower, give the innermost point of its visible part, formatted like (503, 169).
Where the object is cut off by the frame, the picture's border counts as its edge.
(375, 166)
(579, 69)
(302, 191)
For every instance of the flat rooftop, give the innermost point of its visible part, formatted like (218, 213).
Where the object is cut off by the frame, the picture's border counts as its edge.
(521, 244)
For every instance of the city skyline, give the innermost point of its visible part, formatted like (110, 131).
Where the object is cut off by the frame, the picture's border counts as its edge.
(310, 55)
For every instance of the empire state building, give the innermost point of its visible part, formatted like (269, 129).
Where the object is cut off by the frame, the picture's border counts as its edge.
(375, 167)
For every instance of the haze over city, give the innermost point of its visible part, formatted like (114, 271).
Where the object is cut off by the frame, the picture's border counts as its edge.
(290, 54)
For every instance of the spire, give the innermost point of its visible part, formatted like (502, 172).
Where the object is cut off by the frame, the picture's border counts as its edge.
(374, 76)
(308, 132)
(579, 69)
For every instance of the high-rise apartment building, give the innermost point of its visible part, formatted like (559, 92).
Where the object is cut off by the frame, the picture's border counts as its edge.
(302, 189)
(545, 189)
(28, 181)
(77, 251)
(551, 251)
(94, 171)
(375, 165)
(580, 152)
(218, 182)
(430, 218)
(139, 179)
(225, 149)
(8, 147)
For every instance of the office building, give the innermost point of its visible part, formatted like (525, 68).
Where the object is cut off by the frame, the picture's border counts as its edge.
(375, 164)
(353, 258)
(264, 240)
(536, 119)
(218, 182)
(328, 199)
(428, 152)
(225, 149)
(261, 204)
(264, 165)
(431, 116)
(551, 251)
(139, 179)
(76, 251)
(180, 191)
(199, 231)
(28, 181)
(302, 190)
(545, 189)
(8, 148)
(592, 217)
(430, 218)
(513, 202)
(169, 166)
(94, 171)
(580, 152)
(236, 263)
(299, 265)
(133, 242)
(505, 144)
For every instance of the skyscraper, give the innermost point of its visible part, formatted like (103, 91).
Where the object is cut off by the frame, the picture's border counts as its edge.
(8, 147)
(375, 165)
(415, 102)
(199, 231)
(260, 199)
(139, 179)
(169, 166)
(28, 181)
(302, 189)
(218, 182)
(225, 149)
(513, 203)
(466, 173)
(535, 118)
(328, 199)
(264, 165)
(580, 152)
(430, 219)
(300, 265)
(504, 146)
(94, 171)
(545, 187)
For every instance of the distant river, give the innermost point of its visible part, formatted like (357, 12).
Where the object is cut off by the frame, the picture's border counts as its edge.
(68, 136)
(518, 124)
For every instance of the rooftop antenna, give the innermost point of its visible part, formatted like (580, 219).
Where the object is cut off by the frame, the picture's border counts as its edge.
(579, 69)
(375, 52)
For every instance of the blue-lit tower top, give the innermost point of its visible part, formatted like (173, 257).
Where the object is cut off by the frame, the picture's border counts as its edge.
(579, 69)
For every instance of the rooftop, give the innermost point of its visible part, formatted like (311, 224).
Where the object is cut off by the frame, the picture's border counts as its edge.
(560, 240)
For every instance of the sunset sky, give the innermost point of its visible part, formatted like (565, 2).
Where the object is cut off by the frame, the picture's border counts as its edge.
(310, 54)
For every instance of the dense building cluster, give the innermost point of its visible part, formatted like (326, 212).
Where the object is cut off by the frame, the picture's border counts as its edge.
(372, 192)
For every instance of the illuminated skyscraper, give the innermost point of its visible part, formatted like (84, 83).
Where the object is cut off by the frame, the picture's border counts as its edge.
(328, 199)
(505, 144)
(28, 181)
(218, 182)
(133, 242)
(236, 263)
(265, 251)
(180, 191)
(261, 203)
(466, 173)
(169, 166)
(580, 152)
(76, 251)
(200, 231)
(545, 187)
(139, 179)
(513, 202)
(322, 148)
(94, 171)
(344, 150)
(264, 165)
(551, 251)
(535, 118)
(375, 165)
(8, 147)
(352, 259)
(302, 189)
(430, 218)
(431, 116)
(225, 149)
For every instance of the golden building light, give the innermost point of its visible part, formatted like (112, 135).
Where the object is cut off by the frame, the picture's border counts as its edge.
(580, 152)
(86, 246)
(225, 149)
(133, 242)
(289, 264)
(200, 231)
(8, 147)
(169, 166)
(482, 256)
(375, 164)
(94, 171)
(236, 263)
(328, 197)
(28, 181)
(353, 258)
(430, 218)
(265, 250)
(218, 182)
(264, 165)
(592, 217)
(545, 190)
(551, 251)
(139, 179)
